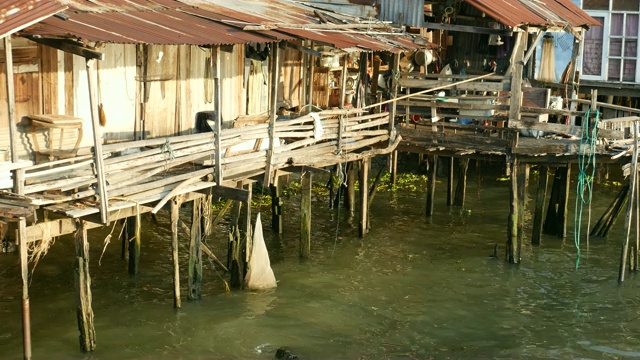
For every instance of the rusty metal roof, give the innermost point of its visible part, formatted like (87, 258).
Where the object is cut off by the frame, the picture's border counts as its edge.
(16, 15)
(531, 12)
(202, 22)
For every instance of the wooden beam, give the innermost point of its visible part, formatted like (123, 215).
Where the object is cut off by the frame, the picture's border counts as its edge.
(226, 192)
(466, 28)
(76, 48)
(18, 184)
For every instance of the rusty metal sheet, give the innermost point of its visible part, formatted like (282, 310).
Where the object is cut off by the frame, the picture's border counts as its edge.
(200, 22)
(16, 15)
(529, 12)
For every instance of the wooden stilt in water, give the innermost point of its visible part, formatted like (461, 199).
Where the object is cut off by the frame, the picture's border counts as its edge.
(513, 243)
(608, 218)
(246, 231)
(351, 188)
(175, 214)
(276, 206)
(305, 214)
(84, 310)
(26, 311)
(431, 185)
(523, 180)
(364, 196)
(543, 180)
(556, 220)
(195, 252)
(330, 185)
(394, 167)
(133, 240)
(233, 256)
(633, 264)
(461, 187)
(450, 182)
(630, 204)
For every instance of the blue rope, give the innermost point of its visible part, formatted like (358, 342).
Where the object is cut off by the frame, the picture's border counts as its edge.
(586, 173)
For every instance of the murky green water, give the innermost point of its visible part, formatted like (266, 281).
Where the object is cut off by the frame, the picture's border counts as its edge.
(412, 289)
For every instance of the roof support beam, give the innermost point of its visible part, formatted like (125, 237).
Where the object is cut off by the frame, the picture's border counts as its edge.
(467, 28)
(69, 46)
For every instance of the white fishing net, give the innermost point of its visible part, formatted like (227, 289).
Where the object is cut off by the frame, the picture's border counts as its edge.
(260, 275)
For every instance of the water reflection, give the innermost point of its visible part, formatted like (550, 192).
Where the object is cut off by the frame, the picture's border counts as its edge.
(412, 289)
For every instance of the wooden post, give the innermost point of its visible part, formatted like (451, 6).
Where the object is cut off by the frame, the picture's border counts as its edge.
(461, 187)
(83, 290)
(630, 204)
(608, 218)
(543, 180)
(431, 185)
(175, 214)
(24, 269)
(276, 207)
(556, 220)
(217, 102)
(393, 157)
(305, 214)
(14, 136)
(352, 173)
(18, 188)
(97, 145)
(517, 66)
(195, 252)
(450, 182)
(273, 110)
(233, 257)
(246, 230)
(133, 238)
(523, 180)
(513, 243)
(394, 166)
(364, 196)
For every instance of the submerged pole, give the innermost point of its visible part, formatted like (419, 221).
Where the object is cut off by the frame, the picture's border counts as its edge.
(543, 181)
(84, 310)
(133, 238)
(364, 196)
(632, 197)
(461, 187)
(195, 252)
(450, 182)
(26, 311)
(305, 214)
(175, 209)
(513, 243)
(276, 206)
(431, 185)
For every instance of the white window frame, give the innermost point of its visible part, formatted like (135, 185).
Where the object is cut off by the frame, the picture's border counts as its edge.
(604, 70)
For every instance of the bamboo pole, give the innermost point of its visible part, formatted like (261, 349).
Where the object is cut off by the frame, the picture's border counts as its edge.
(431, 185)
(430, 90)
(364, 196)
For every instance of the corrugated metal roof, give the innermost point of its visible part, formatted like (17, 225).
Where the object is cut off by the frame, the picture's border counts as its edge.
(16, 15)
(411, 12)
(201, 22)
(530, 12)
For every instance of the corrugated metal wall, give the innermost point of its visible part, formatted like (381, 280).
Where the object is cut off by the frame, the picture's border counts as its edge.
(412, 12)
